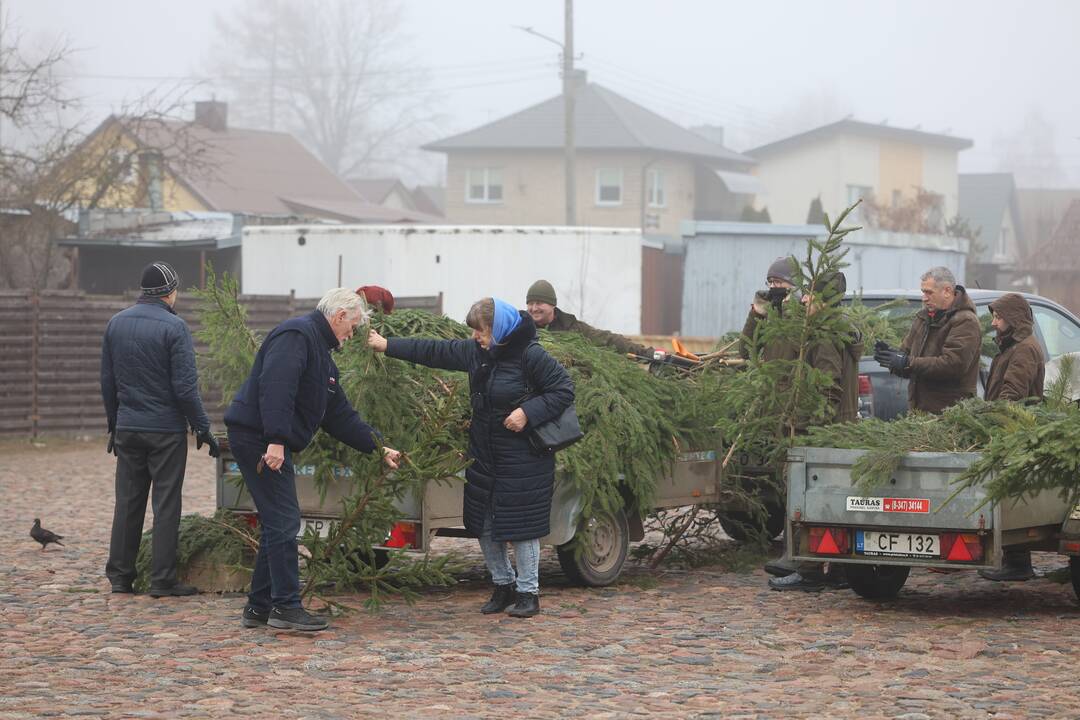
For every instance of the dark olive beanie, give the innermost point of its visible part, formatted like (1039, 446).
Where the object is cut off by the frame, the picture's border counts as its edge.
(541, 291)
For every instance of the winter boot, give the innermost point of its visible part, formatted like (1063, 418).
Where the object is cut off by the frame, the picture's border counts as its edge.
(795, 581)
(527, 605)
(503, 597)
(1015, 567)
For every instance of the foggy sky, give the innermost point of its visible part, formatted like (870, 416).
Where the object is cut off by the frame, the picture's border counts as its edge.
(760, 69)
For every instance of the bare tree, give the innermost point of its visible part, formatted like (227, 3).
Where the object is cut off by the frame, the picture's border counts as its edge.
(51, 168)
(1030, 152)
(335, 73)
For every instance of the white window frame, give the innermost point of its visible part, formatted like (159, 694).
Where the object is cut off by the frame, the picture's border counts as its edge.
(609, 203)
(1003, 243)
(655, 188)
(486, 184)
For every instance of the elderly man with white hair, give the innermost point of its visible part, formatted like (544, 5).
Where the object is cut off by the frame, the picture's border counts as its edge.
(940, 354)
(292, 391)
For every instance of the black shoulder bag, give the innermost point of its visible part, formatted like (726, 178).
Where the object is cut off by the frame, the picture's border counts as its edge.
(557, 433)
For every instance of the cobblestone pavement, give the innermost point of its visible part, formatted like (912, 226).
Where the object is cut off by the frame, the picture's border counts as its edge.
(699, 643)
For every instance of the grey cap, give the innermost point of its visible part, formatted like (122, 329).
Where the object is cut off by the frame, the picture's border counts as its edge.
(782, 268)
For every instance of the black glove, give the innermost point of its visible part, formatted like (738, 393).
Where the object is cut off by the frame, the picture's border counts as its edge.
(205, 436)
(777, 295)
(110, 449)
(896, 361)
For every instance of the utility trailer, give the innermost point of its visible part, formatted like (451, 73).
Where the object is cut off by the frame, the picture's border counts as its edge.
(879, 536)
(436, 511)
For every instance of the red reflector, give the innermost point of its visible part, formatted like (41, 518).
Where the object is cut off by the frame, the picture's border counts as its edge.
(864, 385)
(252, 519)
(1072, 547)
(402, 535)
(828, 541)
(961, 547)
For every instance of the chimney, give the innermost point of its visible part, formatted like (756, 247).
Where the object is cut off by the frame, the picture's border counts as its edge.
(712, 133)
(212, 114)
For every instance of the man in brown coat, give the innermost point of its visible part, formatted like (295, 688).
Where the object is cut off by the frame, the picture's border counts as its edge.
(1015, 374)
(940, 354)
(542, 304)
(838, 359)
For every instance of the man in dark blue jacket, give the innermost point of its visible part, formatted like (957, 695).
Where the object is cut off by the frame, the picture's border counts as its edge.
(292, 391)
(151, 393)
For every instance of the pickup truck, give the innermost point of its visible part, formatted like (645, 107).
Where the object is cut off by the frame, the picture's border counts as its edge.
(884, 395)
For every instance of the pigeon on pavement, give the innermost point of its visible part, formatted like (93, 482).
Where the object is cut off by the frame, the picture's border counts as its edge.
(44, 536)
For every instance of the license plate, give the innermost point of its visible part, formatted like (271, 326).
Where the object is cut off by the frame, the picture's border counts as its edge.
(891, 544)
(320, 526)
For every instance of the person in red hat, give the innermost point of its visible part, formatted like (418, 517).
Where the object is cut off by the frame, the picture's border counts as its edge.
(377, 296)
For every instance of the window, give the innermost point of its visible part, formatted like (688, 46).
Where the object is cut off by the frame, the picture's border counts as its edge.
(608, 187)
(1060, 334)
(483, 185)
(1003, 243)
(855, 193)
(656, 188)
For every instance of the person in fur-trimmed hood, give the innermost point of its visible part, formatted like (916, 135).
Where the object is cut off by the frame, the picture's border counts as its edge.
(515, 385)
(1017, 372)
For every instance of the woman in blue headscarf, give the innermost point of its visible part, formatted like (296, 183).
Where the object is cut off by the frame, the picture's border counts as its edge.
(515, 386)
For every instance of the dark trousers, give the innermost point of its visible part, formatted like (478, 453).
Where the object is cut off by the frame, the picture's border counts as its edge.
(276, 580)
(147, 461)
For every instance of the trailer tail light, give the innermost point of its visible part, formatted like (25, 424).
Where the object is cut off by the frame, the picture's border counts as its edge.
(252, 519)
(829, 541)
(961, 547)
(866, 397)
(403, 535)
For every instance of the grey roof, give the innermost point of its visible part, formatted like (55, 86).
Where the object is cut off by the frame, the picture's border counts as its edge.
(984, 199)
(858, 127)
(376, 190)
(161, 228)
(603, 120)
(430, 199)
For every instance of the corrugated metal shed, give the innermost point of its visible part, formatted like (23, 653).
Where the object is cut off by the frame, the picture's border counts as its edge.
(726, 263)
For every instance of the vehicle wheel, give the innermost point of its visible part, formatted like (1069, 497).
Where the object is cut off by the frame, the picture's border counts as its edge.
(600, 559)
(877, 582)
(1074, 573)
(743, 526)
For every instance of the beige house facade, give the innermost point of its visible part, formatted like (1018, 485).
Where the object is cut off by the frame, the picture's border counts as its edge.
(633, 168)
(848, 160)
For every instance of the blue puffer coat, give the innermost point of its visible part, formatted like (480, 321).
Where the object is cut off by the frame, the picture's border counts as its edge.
(506, 478)
(148, 378)
(293, 390)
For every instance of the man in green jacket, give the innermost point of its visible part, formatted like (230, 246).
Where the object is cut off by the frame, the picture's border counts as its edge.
(542, 306)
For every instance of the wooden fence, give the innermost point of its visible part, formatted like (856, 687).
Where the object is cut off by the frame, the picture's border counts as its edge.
(50, 354)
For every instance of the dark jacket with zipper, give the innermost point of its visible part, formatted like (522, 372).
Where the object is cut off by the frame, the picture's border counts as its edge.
(293, 390)
(148, 378)
(565, 322)
(506, 478)
(944, 350)
(1018, 371)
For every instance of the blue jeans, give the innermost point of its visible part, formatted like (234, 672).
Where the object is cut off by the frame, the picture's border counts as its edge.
(276, 580)
(497, 558)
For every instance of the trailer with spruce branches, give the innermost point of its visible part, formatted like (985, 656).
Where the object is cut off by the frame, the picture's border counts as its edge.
(930, 509)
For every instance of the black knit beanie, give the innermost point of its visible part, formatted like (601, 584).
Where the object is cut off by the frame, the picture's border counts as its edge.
(159, 279)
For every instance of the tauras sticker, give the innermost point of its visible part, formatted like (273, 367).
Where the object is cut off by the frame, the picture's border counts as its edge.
(864, 504)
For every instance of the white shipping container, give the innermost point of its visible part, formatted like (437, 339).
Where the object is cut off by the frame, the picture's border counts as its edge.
(596, 272)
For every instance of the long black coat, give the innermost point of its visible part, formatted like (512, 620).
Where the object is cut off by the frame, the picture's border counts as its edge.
(506, 479)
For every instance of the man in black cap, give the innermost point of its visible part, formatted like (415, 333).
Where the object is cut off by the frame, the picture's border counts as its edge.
(151, 393)
(542, 304)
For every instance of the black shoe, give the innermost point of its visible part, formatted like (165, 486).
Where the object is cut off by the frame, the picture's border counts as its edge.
(795, 581)
(176, 590)
(781, 567)
(123, 588)
(1015, 567)
(503, 597)
(527, 605)
(295, 619)
(253, 617)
